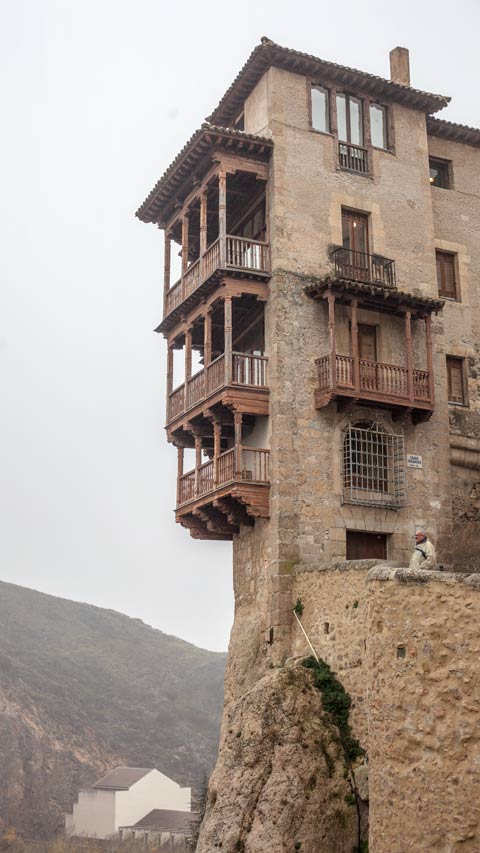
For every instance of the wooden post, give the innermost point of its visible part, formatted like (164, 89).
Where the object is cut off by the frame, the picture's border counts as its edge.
(222, 217)
(203, 231)
(198, 462)
(331, 329)
(179, 470)
(228, 338)
(184, 250)
(217, 435)
(431, 384)
(356, 360)
(169, 377)
(188, 365)
(408, 337)
(207, 339)
(166, 271)
(237, 420)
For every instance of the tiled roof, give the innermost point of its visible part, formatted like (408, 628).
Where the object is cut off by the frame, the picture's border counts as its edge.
(166, 820)
(203, 141)
(122, 778)
(456, 132)
(268, 53)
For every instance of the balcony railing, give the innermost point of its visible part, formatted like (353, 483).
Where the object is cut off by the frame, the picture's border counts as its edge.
(240, 254)
(360, 266)
(247, 370)
(374, 378)
(242, 464)
(353, 157)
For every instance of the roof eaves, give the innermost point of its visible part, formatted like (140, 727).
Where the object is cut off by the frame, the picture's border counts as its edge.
(453, 131)
(268, 53)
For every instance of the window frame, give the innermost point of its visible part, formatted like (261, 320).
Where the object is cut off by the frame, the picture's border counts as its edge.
(386, 125)
(445, 168)
(441, 253)
(312, 84)
(362, 101)
(461, 361)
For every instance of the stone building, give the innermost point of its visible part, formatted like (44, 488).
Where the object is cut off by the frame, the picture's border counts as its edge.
(327, 319)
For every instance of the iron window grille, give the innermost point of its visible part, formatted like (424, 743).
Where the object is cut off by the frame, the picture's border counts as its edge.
(373, 467)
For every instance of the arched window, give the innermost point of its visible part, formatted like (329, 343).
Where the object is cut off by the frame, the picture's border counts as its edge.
(373, 466)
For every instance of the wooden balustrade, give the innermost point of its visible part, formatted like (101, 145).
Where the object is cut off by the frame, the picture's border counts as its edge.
(176, 402)
(195, 389)
(249, 369)
(215, 374)
(241, 253)
(254, 468)
(375, 377)
(361, 266)
(353, 157)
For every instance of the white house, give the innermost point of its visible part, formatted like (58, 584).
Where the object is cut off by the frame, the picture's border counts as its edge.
(122, 798)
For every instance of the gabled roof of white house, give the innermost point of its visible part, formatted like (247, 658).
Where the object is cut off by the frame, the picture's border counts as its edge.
(167, 820)
(122, 778)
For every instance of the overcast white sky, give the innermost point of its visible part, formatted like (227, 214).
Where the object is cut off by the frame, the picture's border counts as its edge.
(97, 98)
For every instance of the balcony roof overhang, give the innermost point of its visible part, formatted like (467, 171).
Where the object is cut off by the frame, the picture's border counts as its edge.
(194, 161)
(385, 299)
(455, 132)
(268, 54)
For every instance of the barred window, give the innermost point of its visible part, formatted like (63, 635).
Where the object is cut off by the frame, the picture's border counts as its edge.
(373, 466)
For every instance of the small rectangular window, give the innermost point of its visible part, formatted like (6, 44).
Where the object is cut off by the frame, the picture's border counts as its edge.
(439, 173)
(456, 383)
(320, 109)
(446, 277)
(350, 119)
(239, 123)
(378, 126)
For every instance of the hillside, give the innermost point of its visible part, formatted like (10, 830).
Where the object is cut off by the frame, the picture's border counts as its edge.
(82, 689)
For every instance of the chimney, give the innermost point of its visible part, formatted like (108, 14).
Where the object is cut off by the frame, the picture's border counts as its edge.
(400, 66)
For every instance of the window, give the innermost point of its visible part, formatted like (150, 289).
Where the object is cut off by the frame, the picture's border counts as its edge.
(320, 109)
(350, 119)
(378, 126)
(456, 381)
(373, 466)
(439, 173)
(446, 277)
(254, 226)
(239, 123)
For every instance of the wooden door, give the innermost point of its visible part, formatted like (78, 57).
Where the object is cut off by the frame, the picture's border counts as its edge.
(355, 243)
(364, 546)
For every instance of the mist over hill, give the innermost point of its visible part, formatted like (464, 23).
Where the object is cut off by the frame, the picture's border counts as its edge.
(83, 689)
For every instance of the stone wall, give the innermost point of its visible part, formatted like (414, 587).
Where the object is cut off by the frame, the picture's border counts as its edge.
(423, 709)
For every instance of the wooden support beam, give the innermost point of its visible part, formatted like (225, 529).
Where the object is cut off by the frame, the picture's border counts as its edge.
(166, 270)
(431, 383)
(356, 360)
(228, 338)
(237, 419)
(331, 330)
(184, 247)
(169, 378)
(217, 446)
(198, 462)
(207, 339)
(180, 453)
(222, 217)
(409, 349)
(188, 356)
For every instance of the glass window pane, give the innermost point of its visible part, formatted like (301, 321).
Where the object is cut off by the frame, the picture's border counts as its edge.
(320, 118)
(378, 126)
(356, 129)
(439, 176)
(342, 118)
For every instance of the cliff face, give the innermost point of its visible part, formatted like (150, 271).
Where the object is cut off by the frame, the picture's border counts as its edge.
(279, 783)
(83, 689)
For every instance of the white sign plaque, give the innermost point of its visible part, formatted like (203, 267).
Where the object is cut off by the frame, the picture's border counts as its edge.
(414, 461)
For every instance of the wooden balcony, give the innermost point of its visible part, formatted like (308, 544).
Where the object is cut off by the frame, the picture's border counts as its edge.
(360, 266)
(239, 255)
(246, 372)
(389, 385)
(231, 489)
(353, 158)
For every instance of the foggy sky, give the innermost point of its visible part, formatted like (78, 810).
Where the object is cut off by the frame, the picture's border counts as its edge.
(98, 96)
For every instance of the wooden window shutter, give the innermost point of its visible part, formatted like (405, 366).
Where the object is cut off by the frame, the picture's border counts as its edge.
(455, 380)
(446, 275)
